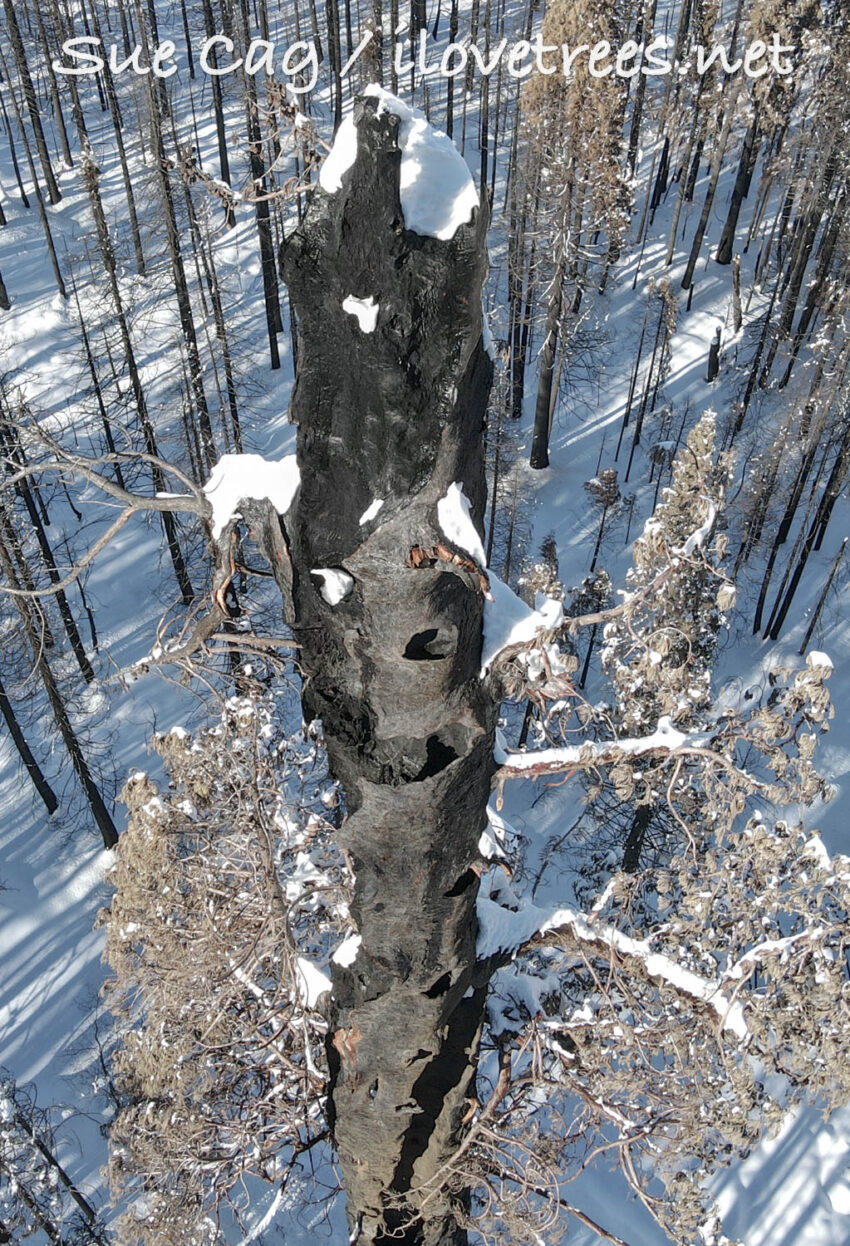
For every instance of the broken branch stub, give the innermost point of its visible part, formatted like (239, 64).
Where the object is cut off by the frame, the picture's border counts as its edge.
(390, 408)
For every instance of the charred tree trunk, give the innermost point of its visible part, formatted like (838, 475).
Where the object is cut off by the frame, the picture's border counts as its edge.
(543, 407)
(392, 670)
(25, 753)
(716, 164)
(30, 100)
(740, 191)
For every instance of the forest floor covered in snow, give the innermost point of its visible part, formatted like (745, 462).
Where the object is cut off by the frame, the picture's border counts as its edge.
(793, 1190)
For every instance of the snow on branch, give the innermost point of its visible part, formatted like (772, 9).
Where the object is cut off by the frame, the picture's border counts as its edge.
(666, 739)
(511, 626)
(239, 477)
(697, 538)
(505, 930)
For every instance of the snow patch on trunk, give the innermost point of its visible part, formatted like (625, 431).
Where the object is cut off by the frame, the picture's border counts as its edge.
(346, 953)
(366, 310)
(371, 511)
(487, 336)
(336, 584)
(438, 194)
(311, 982)
(453, 512)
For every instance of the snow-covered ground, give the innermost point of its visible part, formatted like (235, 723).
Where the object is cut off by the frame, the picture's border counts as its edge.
(793, 1190)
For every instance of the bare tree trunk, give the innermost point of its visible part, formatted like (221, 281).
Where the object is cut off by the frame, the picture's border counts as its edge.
(55, 100)
(25, 753)
(98, 392)
(815, 534)
(737, 313)
(42, 212)
(115, 114)
(393, 674)
(13, 152)
(334, 56)
(30, 99)
(15, 452)
(181, 287)
(218, 109)
(740, 191)
(645, 24)
(716, 164)
(271, 297)
(810, 630)
(795, 273)
(820, 284)
(180, 570)
(450, 82)
(100, 813)
(543, 407)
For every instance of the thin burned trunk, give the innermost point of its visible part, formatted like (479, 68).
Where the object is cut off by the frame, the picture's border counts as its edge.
(55, 101)
(16, 454)
(115, 114)
(819, 289)
(42, 212)
(393, 671)
(717, 161)
(30, 100)
(218, 109)
(98, 391)
(30, 618)
(800, 262)
(543, 407)
(90, 176)
(271, 295)
(25, 753)
(818, 610)
(181, 288)
(13, 151)
(815, 534)
(645, 21)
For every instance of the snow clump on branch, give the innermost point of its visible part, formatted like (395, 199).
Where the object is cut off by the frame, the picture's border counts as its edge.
(237, 477)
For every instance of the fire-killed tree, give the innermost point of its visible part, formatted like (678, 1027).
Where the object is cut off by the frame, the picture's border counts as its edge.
(654, 1023)
(392, 669)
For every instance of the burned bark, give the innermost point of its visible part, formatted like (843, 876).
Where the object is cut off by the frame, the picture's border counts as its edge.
(392, 669)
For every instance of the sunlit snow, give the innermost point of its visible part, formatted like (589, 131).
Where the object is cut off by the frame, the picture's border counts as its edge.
(346, 953)
(438, 194)
(237, 477)
(453, 512)
(311, 982)
(371, 511)
(336, 584)
(509, 621)
(366, 310)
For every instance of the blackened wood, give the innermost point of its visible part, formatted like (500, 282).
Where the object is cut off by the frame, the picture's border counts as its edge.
(393, 669)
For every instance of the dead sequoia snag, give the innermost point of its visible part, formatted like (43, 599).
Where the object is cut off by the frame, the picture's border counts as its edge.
(395, 414)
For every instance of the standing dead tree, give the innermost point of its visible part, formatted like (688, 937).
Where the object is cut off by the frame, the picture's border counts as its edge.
(392, 664)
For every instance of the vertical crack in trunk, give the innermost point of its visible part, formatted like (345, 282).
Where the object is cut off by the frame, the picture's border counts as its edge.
(391, 669)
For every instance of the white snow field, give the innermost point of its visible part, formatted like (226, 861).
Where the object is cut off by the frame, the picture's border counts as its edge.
(793, 1190)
